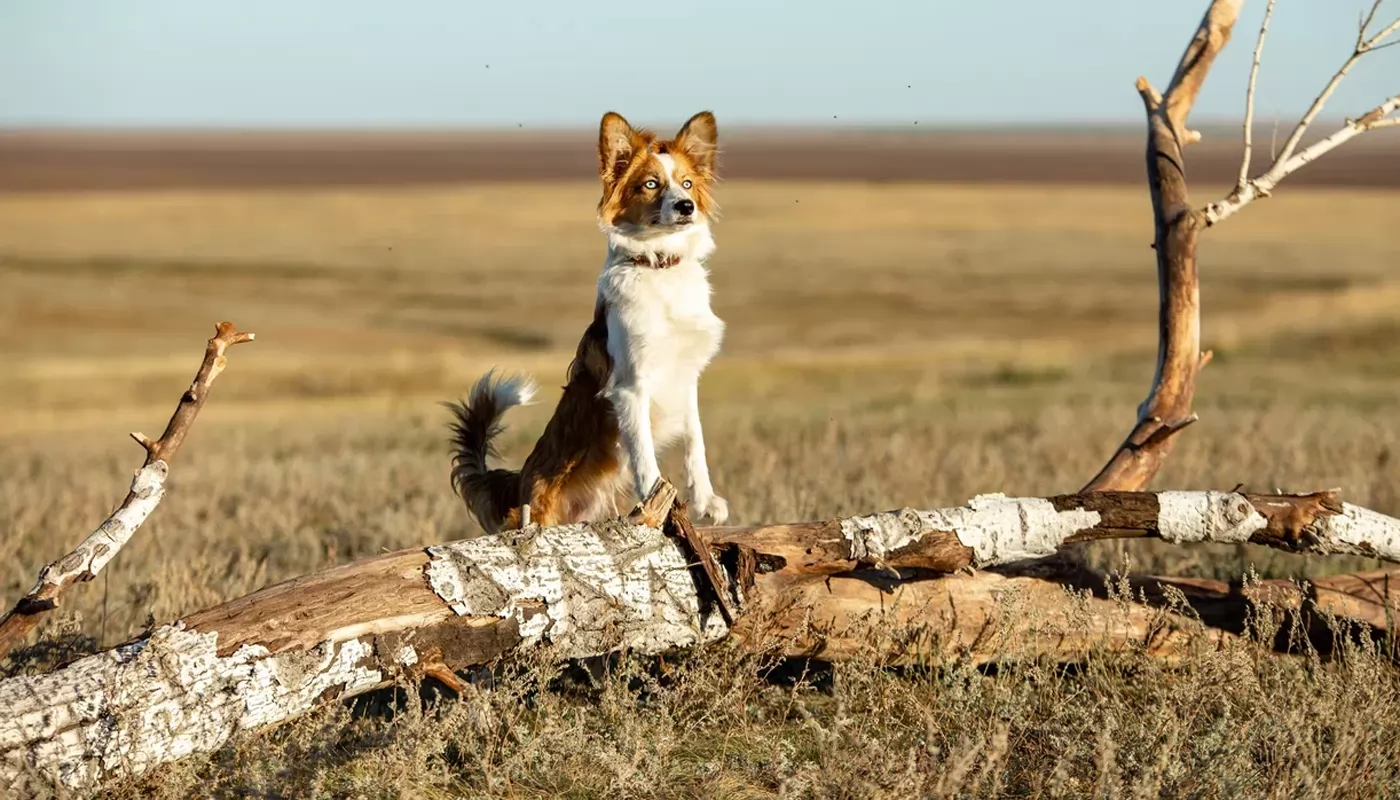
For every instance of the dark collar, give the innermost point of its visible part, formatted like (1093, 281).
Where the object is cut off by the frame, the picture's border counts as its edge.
(659, 262)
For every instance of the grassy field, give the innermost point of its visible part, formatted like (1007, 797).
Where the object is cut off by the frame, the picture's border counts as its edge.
(888, 345)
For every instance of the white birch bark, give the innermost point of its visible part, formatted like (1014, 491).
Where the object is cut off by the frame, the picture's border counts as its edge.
(583, 589)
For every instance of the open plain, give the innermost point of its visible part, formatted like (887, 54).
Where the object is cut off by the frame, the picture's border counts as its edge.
(912, 320)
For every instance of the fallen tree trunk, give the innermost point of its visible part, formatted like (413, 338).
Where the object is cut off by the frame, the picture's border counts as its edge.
(995, 530)
(587, 590)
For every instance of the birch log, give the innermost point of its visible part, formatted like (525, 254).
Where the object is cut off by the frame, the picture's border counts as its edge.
(995, 530)
(591, 589)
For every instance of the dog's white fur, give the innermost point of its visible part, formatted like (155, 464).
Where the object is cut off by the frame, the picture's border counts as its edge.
(506, 391)
(662, 334)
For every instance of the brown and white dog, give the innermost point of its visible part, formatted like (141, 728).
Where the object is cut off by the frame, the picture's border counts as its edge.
(633, 385)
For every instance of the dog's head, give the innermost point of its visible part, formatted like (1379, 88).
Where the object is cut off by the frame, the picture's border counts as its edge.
(654, 187)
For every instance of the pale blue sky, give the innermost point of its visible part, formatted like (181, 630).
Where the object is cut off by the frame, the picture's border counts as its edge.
(397, 63)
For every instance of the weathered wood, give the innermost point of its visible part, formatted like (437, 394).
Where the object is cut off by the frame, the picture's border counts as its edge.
(994, 530)
(718, 587)
(147, 489)
(978, 619)
(336, 605)
(592, 589)
(226, 335)
(1167, 408)
(271, 656)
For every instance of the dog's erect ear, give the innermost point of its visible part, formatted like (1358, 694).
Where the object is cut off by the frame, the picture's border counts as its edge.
(699, 139)
(617, 142)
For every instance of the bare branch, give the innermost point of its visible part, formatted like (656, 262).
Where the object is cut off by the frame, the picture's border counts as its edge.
(226, 334)
(1289, 159)
(997, 531)
(1375, 42)
(1291, 143)
(1263, 185)
(1249, 96)
(147, 489)
(1366, 21)
(1211, 37)
(1167, 408)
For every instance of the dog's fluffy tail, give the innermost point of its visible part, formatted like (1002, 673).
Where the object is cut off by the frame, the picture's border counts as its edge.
(490, 494)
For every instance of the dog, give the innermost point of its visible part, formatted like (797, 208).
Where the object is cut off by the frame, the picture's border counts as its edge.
(633, 384)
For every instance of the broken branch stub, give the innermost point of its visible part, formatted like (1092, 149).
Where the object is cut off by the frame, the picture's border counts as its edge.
(226, 334)
(719, 589)
(147, 489)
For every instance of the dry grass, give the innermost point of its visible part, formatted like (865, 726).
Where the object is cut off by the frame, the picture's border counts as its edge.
(889, 345)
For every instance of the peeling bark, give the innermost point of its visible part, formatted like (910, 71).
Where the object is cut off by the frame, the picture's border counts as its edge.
(995, 530)
(164, 697)
(587, 589)
(863, 586)
(273, 655)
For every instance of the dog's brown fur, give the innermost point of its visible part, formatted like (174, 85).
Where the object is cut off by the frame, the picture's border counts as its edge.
(577, 458)
(625, 164)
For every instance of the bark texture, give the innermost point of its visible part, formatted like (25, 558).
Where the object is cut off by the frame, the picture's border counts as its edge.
(1167, 408)
(995, 530)
(861, 586)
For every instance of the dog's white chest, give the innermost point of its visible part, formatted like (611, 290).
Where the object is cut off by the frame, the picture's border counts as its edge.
(662, 318)
(662, 335)
(686, 336)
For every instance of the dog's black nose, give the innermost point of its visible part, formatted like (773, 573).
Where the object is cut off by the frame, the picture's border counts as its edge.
(685, 207)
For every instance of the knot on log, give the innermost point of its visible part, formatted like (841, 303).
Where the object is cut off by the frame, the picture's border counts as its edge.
(150, 480)
(1201, 516)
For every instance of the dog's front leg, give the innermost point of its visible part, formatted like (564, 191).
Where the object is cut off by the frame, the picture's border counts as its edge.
(633, 406)
(702, 493)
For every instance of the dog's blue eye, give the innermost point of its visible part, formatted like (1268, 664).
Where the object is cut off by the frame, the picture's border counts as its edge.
(651, 184)
(685, 184)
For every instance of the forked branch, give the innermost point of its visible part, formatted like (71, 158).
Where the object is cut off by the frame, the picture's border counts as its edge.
(1290, 159)
(147, 489)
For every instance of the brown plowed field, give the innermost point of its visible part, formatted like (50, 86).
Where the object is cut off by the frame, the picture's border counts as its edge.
(61, 161)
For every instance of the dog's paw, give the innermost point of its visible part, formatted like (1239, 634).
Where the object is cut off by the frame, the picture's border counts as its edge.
(714, 507)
